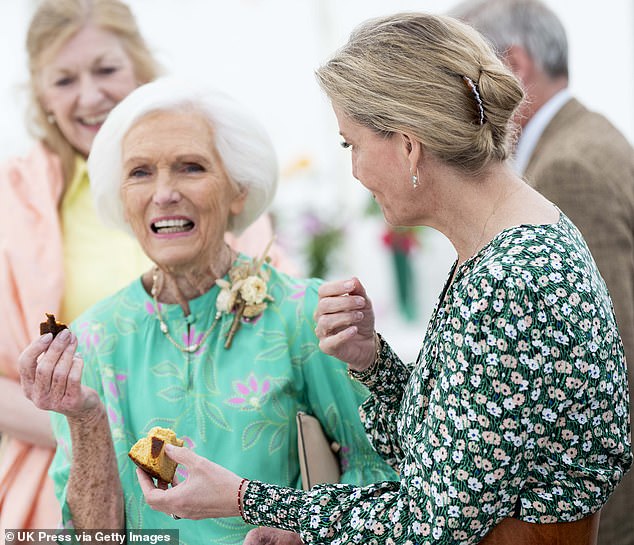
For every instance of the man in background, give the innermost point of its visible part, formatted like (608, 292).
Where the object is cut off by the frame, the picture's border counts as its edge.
(578, 160)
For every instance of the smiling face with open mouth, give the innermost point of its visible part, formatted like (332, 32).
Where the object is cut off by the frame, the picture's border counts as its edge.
(82, 81)
(176, 194)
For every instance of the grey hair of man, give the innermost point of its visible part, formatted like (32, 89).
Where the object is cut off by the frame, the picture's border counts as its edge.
(241, 141)
(526, 23)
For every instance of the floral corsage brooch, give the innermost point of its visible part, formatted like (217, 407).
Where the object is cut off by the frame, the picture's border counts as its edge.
(245, 293)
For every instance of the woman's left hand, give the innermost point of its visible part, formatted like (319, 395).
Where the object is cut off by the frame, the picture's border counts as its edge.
(209, 491)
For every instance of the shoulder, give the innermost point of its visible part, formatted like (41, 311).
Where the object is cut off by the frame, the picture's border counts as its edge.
(39, 156)
(521, 255)
(583, 137)
(290, 287)
(37, 172)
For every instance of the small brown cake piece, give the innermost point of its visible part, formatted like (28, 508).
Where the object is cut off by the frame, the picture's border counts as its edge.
(51, 325)
(149, 453)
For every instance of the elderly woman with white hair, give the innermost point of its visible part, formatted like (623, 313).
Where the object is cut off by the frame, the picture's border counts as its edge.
(214, 345)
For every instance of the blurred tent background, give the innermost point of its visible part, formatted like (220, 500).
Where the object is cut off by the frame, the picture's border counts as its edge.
(264, 53)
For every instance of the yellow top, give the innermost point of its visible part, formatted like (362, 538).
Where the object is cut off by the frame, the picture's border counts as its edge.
(97, 260)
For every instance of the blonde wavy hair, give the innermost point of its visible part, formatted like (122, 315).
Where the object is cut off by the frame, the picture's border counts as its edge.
(52, 25)
(406, 73)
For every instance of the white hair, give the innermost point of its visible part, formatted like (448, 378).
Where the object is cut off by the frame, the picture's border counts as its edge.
(244, 146)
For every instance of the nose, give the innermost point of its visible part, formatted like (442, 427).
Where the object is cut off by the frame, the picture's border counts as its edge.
(166, 190)
(90, 93)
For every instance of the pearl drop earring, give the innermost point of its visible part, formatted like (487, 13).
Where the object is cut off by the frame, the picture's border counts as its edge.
(415, 180)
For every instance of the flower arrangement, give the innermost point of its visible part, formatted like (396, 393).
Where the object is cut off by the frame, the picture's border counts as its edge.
(323, 239)
(246, 292)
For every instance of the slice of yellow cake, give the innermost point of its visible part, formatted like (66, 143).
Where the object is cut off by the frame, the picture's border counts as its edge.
(149, 453)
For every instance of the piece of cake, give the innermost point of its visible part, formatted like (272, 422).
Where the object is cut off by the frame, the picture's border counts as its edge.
(149, 453)
(51, 325)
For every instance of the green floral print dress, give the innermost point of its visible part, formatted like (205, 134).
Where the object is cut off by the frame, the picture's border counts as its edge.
(516, 406)
(234, 406)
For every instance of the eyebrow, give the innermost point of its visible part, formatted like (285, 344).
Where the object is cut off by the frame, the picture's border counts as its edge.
(107, 56)
(182, 158)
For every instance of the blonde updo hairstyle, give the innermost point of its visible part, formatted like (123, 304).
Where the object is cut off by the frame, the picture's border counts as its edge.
(52, 25)
(404, 73)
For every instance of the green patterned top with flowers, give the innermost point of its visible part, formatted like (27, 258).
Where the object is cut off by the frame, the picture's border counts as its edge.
(235, 405)
(517, 406)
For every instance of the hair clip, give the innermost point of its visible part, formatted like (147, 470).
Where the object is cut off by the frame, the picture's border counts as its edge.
(474, 90)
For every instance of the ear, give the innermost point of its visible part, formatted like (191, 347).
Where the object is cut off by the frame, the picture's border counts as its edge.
(413, 151)
(520, 63)
(237, 204)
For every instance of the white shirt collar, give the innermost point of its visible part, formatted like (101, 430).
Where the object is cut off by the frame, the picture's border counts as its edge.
(535, 127)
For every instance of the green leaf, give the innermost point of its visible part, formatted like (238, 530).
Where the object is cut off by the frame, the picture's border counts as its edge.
(107, 345)
(251, 434)
(201, 422)
(209, 374)
(277, 439)
(273, 353)
(173, 393)
(279, 409)
(332, 417)
(308, 349)
(167, 369)
(124, 325)
(215, 414)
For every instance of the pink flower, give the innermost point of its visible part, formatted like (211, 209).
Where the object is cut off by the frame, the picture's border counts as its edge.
(112, 386)
(298, 294)
(192, 339)
(250, 393)
(89, 335)
(114, 417)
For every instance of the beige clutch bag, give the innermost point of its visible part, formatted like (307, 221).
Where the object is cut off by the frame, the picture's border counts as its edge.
(318, 461)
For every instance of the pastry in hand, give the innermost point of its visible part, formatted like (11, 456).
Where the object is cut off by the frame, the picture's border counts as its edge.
(51, 325)
(149, 453)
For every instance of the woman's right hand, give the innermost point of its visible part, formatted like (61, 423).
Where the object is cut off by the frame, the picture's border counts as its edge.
(50, 375)
(345, 323)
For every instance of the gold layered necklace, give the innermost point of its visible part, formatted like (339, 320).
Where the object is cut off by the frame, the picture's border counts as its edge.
(190, 349)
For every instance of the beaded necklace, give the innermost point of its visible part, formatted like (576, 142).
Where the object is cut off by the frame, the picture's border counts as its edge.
(165, 328)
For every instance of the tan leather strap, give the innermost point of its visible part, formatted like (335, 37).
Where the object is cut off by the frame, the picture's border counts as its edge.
(516, 532)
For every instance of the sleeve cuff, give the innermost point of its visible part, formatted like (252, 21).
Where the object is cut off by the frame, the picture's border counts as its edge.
(272, 505)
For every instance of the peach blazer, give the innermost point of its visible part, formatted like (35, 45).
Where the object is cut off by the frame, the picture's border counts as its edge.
(31, 278)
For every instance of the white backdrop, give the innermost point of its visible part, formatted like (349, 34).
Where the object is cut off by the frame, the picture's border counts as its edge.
(265, 51)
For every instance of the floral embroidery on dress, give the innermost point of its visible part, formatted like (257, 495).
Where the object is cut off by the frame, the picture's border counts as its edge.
(250, 393)
(89, 334)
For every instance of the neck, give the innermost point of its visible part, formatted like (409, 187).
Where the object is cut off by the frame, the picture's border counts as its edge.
(539, 93)
(175, 285)
(476, 210)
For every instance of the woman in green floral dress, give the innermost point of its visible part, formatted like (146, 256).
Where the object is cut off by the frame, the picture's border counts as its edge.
(517, 404)
(214, 345)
